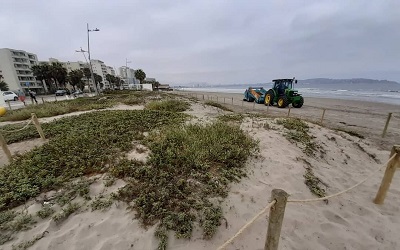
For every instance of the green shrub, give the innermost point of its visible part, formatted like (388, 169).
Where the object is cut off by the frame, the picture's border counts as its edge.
(78, 146)
(186, 167)
(66, 212)
(299, 133)
(45, 212)
(313, 183)
(101, 204)
(21, 223)
(58, 108)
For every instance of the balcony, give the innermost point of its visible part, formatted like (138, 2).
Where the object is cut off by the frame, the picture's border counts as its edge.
(26, 78)
(21, 66)
(24, 72)
(18, 54)
(20, 60)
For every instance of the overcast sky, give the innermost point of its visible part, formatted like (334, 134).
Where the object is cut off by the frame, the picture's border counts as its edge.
(214, 41)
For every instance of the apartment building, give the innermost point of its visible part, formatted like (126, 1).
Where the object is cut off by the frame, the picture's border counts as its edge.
(101, 69)
(68, 65)
(15, 66)
(110, 70)
(128, 75)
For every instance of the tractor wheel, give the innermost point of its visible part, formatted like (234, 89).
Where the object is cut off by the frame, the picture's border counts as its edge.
(298, 104)
(269, 97)
(283, 102)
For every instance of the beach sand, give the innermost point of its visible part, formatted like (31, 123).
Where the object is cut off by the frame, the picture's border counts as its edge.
(367, 118)
(350, 221)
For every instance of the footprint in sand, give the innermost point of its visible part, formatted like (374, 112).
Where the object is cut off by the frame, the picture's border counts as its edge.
(335, 218)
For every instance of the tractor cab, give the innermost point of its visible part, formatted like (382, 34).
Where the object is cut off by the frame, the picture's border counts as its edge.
(283, 86)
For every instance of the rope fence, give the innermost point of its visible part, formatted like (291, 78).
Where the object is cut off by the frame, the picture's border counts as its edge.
(241, 230)
(279, 200)
(29, 121)
(350, 188)
(3, 142)
(281, 112)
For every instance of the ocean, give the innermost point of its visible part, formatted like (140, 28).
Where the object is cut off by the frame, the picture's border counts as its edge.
(384, 93)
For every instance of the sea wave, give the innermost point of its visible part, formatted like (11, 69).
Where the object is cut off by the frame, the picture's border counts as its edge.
(373, 96)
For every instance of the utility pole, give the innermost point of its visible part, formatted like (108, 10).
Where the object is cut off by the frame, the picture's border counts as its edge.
(90, 61)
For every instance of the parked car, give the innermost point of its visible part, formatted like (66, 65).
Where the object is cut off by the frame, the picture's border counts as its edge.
(61, 92)
(10, 96)
(78, 93)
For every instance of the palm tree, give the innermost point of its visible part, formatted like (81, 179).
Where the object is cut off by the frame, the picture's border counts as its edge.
(109, 79)
(140, 75)
(59, 73)
(75, 77)
(98, 79)
(87, 74)
(43, 74)
(3, 86)
(117, 81)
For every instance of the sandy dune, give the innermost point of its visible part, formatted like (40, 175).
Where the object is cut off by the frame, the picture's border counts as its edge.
(350, 221)
(367, 118)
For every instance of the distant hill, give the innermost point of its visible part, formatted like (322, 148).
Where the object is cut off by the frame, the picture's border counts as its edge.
(346, 81)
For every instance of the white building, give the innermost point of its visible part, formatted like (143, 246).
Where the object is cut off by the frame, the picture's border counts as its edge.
(15, 66)
(110, 70)
(128, 75)
(68, 65)
(101, 69)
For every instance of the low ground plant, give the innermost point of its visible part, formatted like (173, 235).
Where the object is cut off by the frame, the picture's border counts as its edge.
(170, 105)
(186, 167)
(58, 108)
(218, 105)
(351, 132)
(78, 146)
(298, 132)
(231, 118)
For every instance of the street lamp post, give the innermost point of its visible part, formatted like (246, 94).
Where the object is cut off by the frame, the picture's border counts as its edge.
(90, 62)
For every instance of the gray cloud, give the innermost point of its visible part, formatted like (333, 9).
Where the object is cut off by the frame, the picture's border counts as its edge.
(215, 41)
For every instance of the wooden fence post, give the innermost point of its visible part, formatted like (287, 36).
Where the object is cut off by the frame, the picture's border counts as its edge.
(217, 98)
(323, 115)
(288, 113)
(43, 100)
(389, 173)
(9, 105)
(267, 108)
(203, 97)
(276, 214)
(5, 148)
(224, 100)
(254, 105)
(386, 125)
(232, 100)
(37, 125)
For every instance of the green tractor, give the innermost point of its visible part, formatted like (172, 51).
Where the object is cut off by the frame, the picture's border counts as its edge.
(283, 94)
